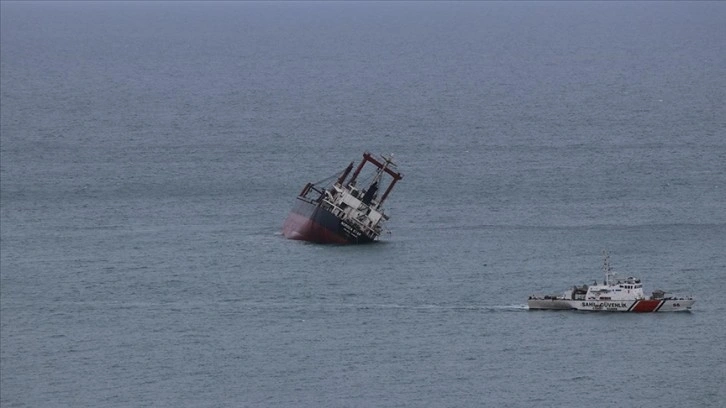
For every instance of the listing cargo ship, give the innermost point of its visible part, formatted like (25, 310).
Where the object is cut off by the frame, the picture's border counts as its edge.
(343, 213)
(614, 295)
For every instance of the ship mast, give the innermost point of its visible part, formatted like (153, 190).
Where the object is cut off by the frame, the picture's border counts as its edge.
(382, 167)
(342, 177)
(606, 267)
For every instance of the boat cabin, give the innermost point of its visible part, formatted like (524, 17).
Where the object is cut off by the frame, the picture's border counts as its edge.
(615, 288)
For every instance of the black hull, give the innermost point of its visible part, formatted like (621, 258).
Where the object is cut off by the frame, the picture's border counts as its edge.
(309, 222)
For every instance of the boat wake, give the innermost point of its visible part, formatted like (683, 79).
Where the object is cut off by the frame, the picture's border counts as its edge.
(384, 306)
(512, 308)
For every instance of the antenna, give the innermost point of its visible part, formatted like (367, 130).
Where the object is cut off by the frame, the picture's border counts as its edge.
(606, 266)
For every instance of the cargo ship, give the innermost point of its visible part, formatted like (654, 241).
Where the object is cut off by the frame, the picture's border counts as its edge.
(344, 213)
(615, 294)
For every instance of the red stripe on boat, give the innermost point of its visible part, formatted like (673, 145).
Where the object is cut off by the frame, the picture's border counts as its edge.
(645, 306)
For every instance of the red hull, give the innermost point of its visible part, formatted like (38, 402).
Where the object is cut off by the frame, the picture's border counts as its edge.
(309, 222)
(302, 228)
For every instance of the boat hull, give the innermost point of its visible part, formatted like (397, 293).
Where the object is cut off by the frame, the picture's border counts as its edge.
(308, 221)
(633, 306)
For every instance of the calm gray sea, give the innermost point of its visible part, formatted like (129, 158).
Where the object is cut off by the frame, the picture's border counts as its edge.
(150, 153)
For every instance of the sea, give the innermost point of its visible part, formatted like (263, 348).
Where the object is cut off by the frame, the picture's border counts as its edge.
(151, 151)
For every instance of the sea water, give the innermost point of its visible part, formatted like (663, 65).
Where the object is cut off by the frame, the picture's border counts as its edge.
(150, 153)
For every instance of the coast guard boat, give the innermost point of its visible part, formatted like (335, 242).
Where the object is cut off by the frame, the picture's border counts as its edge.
(614, 295)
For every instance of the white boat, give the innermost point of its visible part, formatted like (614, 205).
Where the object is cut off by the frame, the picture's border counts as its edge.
(614, 295)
